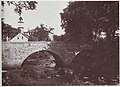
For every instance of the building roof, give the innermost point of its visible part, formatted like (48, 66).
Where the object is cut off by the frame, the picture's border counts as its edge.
(22, 34)
(25, 35)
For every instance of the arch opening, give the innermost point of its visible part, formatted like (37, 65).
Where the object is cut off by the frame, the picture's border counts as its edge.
(49, 56)
(42, 64)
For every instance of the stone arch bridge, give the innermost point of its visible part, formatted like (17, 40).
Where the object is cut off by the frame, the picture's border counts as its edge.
(14, 53)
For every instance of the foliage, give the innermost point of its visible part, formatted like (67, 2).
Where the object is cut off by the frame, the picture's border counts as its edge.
(86, 20)
(59, 38)
(40, 33)
(98, 63)
(20, 5)
(8, 31)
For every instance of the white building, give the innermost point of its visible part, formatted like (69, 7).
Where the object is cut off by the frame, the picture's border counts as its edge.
(19, 38)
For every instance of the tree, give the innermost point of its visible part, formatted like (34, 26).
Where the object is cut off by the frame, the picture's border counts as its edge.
(59, 38)
(8, 31)
(20, 5)
(40, 33)
(85, 20)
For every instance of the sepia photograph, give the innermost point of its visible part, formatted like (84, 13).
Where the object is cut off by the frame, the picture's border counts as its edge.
(60, 43)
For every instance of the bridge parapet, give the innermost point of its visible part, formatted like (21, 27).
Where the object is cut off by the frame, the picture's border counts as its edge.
(13, 53)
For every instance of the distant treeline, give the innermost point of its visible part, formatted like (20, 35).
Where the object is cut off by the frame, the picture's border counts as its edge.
(38, 34)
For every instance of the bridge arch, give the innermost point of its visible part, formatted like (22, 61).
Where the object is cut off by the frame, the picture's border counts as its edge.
(33, 58)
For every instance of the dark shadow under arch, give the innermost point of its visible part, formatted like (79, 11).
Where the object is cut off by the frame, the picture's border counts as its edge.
(40, 55)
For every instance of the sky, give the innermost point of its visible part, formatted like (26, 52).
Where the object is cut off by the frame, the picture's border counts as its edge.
(47, 13)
